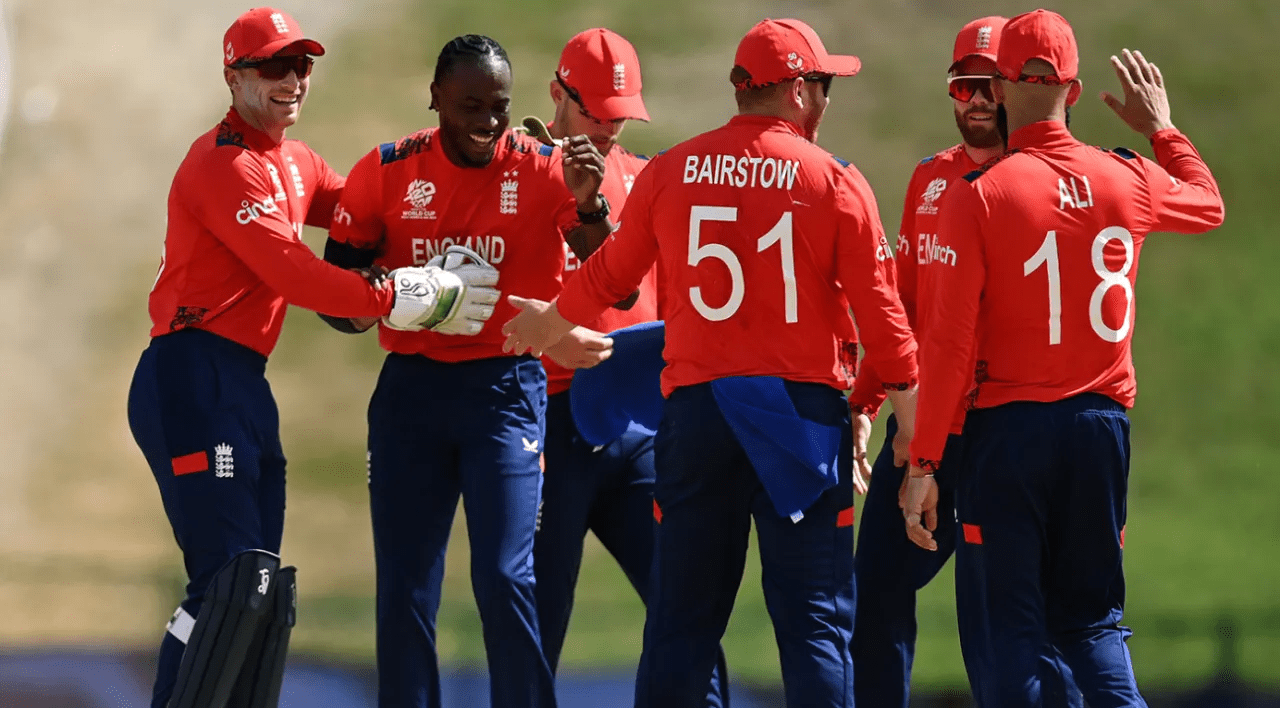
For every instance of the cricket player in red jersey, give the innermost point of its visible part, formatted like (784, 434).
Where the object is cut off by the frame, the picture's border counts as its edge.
(470, 183)
(890, 568)
(763, 241)
(605, 489)
(199, 405)
(1031, 320)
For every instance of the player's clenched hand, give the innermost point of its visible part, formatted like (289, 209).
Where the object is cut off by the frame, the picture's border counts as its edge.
(1146, 102)
(581, 348)
(920, 510)
(535, 328)
(378, 277)
(583, 170)
(861, 466)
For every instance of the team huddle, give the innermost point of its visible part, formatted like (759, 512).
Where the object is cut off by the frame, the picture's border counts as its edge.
(504, 267)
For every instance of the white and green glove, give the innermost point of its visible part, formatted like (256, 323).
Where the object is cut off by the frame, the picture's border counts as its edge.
(452, 294)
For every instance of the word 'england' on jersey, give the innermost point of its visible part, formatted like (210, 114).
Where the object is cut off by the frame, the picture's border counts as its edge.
(491, 248)
(744, 171)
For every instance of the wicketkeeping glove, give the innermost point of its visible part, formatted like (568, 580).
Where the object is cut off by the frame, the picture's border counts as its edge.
(452, 294)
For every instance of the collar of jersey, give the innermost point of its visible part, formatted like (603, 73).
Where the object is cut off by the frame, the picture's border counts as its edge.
(767, 122)
(1042, 134)
(254, 138)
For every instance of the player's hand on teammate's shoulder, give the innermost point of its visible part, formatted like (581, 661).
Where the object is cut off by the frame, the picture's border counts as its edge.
(1145, 106)
(583, 171)
(535, 328)
(581, 348)
(861, 465)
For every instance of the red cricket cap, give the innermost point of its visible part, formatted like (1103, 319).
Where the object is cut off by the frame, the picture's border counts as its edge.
(602, 67)
(262, 33)
(777, 50)
(980, 38)
(1039, 34)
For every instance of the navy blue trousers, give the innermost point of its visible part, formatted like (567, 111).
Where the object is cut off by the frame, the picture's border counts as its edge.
(437, 431)
(605, 490)
(1042, 504)
(203, 415)
(709, 493)
(891, 570)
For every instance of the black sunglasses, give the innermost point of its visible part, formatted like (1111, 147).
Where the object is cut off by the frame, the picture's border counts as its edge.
(277, 68)
(964, 88)
(824, 79)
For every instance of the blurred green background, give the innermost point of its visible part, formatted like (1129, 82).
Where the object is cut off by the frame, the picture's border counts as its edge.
(86, 555)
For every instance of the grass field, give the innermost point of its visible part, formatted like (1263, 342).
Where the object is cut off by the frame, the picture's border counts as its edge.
(1201, 540)
(1202, 535)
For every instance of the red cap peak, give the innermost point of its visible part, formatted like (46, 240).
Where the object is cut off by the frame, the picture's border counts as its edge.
(1039, 34)
(777, 50)
(602, 68)
(979, 38)
(262, 33)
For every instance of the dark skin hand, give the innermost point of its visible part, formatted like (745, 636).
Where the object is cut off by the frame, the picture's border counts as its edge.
(377, 277)
(583, 174)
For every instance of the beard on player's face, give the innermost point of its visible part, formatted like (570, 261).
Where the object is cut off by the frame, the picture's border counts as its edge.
(816, 107)
(977, 123)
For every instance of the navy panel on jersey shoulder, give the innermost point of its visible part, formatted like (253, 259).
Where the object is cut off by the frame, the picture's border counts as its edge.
(404, 147)
(928, 159)
(227, 136)
(971, 176)
(843, 162)
(1125, 152)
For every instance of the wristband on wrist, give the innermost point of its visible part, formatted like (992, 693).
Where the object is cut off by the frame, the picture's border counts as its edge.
(595, 217)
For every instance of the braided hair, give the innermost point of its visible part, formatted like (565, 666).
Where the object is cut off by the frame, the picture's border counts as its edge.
(473, 47)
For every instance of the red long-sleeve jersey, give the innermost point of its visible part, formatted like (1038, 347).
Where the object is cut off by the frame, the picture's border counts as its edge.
(763, 241)
(621, 168)
(1042, 252)
(407, 202)
(233, 252)
(917, 236)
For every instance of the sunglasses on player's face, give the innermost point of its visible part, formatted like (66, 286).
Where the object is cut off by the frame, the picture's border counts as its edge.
(964, 88)
(1047, 80)
(277, 68)
(824, 79)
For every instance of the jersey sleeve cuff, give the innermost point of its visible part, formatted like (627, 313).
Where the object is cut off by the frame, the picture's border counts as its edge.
(928, 465)
(870, 410)
(1165, 134)
(925, 455)
(901, 385)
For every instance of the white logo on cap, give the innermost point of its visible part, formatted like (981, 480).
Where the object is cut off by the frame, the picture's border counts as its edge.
(231, 53)
(564, 73)
(984, 38)
(619, 76)
(277, 19)
(794, 61)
